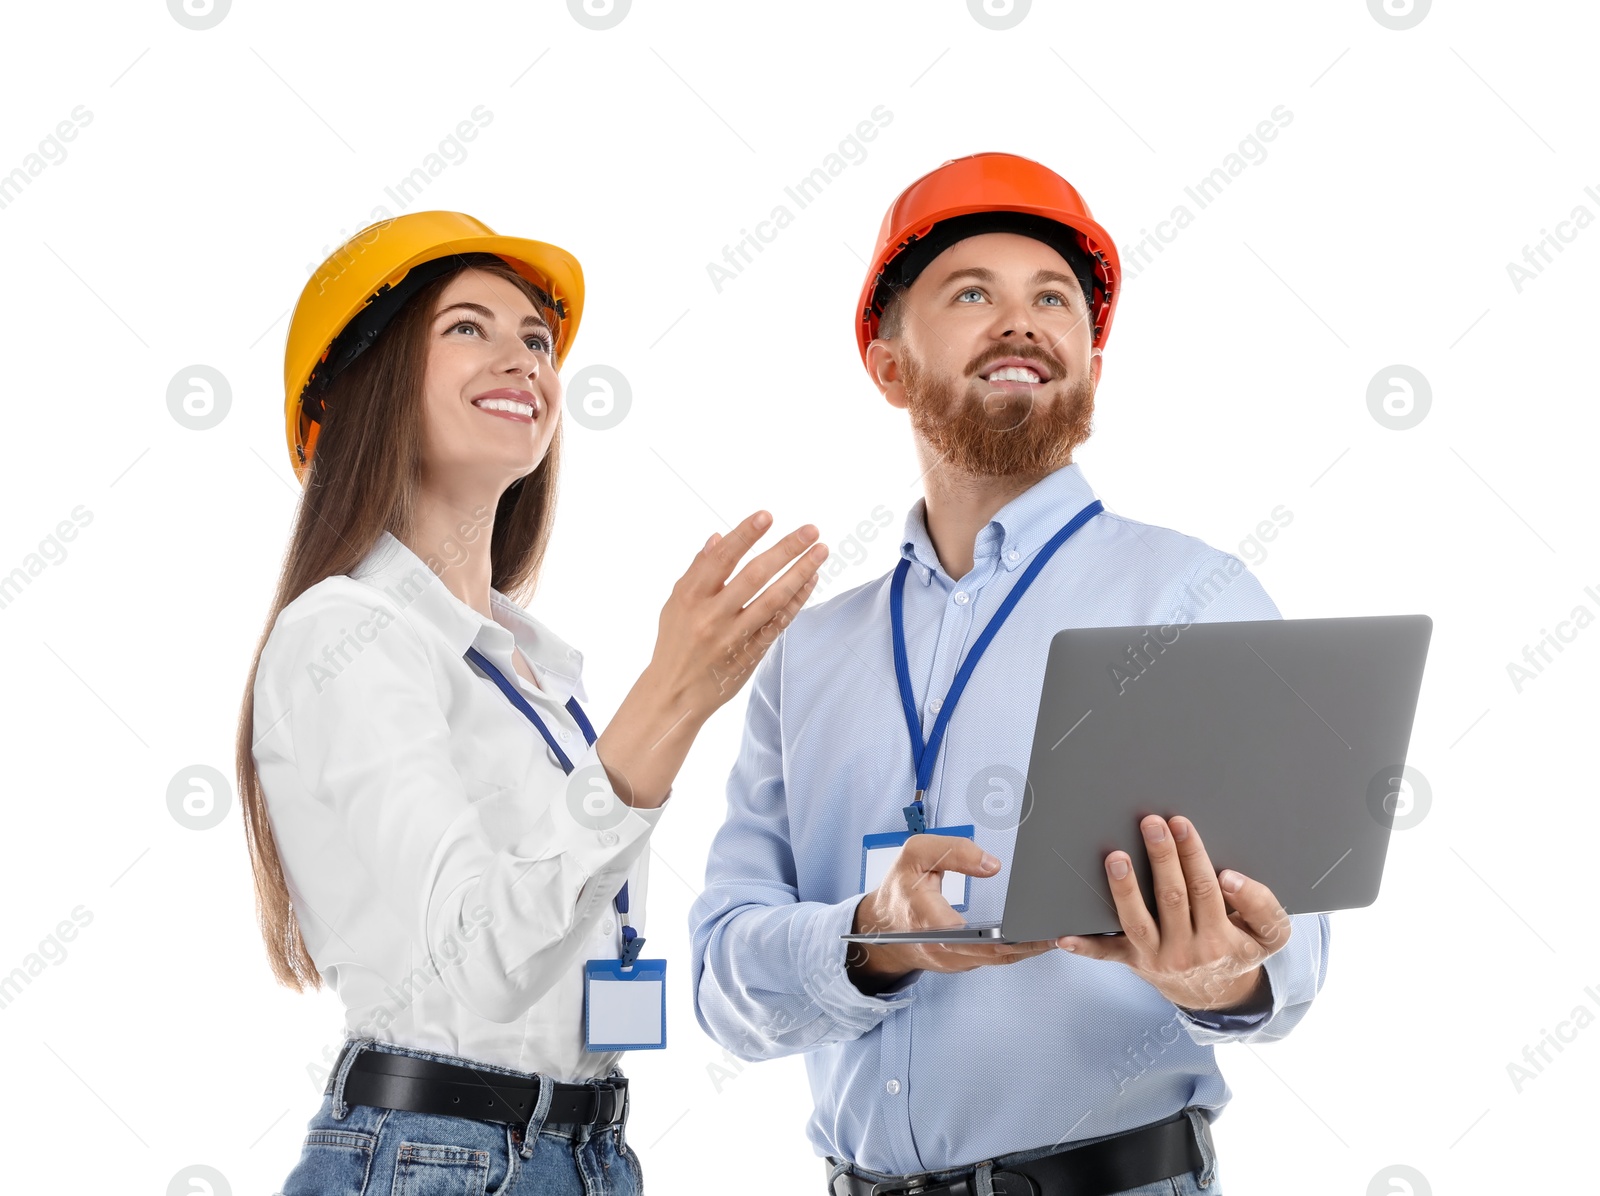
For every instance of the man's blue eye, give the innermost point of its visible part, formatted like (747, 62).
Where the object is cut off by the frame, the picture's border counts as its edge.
(970, 291)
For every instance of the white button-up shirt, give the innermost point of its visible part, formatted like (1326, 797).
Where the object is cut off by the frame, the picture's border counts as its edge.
(450, 880)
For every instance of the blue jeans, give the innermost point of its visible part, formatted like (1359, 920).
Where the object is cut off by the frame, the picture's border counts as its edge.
(1202, 1182)
(362, 1150)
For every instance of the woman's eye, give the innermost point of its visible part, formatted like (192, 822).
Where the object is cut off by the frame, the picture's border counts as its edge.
(539, 344)
(465, 324)
(970, 291)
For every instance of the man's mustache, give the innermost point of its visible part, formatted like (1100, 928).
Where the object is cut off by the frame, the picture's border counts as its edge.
(1057, 370)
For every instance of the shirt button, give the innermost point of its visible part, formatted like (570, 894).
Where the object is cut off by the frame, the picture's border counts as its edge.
(1012, 555)
(609, 838)
(961, 597)
(935, 705)
(563, 736)
(892, 1087)
(607, 926)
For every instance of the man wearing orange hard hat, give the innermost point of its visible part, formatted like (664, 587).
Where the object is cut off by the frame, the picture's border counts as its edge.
(1088, 1068)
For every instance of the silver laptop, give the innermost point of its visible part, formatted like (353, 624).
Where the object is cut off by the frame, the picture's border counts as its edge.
(1282, 740)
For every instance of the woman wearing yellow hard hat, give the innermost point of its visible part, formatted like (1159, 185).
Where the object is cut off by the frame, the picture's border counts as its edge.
(436, 831)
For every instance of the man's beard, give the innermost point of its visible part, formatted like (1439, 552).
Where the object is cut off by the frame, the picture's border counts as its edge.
(991, 432)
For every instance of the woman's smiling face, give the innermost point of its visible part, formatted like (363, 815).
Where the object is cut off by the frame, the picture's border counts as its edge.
(491, 395)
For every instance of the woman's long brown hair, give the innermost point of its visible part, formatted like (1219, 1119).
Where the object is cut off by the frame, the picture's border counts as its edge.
(363, 481)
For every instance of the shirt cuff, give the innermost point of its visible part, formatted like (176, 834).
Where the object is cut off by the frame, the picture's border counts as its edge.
(600, 837)
(823, 956)
(652, 814)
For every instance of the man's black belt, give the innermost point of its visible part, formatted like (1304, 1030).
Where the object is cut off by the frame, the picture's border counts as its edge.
(416, 1085)
(1142, 1156)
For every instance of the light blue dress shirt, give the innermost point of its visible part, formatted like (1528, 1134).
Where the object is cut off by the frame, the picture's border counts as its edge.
(946, 1070)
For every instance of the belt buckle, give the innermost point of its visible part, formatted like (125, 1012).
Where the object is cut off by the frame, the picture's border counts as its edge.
(959, 1186)
(923, 1185)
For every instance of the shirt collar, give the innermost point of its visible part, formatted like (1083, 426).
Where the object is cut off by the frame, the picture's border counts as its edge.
(393, 568)
(1017, 529)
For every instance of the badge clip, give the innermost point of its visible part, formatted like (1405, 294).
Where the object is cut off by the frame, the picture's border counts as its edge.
(916, 822)
(632, 944)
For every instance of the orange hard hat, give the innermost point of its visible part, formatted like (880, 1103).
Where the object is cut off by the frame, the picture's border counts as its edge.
(1045, 205)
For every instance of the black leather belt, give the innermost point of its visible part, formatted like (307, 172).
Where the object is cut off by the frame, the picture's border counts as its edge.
(1142, 1156)
(393, 1081)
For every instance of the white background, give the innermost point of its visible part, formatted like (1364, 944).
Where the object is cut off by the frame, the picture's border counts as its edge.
(220, 165)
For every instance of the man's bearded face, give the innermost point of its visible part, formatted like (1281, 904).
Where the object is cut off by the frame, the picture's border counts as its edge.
(997, 430)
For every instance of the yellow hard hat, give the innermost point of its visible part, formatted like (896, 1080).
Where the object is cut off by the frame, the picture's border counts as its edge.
(363, 277)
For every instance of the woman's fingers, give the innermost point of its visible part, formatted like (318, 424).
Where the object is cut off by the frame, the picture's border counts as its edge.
(714, 562)
(764, 567)
(747, 648)
(783, 597)
(713, 632)
(709, 572)
(791, 608)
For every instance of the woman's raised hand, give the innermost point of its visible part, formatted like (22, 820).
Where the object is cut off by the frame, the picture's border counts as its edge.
(712, 633)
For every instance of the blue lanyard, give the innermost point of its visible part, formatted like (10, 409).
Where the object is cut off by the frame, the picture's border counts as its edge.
(923, 754)
(632, 942)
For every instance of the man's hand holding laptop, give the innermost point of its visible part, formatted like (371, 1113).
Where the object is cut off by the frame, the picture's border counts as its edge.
(909, 899)
(1197, 953)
